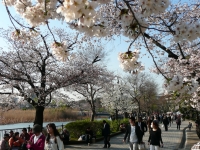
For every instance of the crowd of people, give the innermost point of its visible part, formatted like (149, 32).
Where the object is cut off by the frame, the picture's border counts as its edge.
(135, 131)
(35, 139)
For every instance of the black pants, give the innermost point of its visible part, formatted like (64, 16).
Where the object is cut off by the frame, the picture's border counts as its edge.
(88, 138)
(106, 141)
(178, 126)
(166, 127)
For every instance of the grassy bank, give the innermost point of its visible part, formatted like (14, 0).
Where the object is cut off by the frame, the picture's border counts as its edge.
(50, 114)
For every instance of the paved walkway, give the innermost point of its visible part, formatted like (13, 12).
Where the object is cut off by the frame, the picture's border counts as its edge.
(171, 139)
(192, 137)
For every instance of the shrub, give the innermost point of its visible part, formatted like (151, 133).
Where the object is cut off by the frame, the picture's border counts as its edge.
(114, 125)
(79, 127)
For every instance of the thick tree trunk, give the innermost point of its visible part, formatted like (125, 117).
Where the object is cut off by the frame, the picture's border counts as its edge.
(116, 114)
(139, 110)
(93, 115)
(39, 115)
(125, 115)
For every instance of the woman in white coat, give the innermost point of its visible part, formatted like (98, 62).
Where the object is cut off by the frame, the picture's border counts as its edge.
(53, 140)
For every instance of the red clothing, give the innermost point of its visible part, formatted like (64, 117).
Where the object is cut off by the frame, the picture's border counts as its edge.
(30, 133)
(16, 143)
(25, 136)
(39, 145)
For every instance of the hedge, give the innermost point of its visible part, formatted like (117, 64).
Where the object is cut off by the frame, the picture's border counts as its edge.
(78, 128)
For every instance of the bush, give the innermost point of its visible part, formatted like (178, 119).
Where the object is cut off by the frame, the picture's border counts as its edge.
(114, 125)
(78, 128)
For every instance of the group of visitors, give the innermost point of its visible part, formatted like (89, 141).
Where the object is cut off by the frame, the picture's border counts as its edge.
(35, 139)
(165, 119)
(135, 131)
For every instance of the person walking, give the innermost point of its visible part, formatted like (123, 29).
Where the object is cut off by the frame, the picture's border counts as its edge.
(149, 121)
(89, 135)
(37, 140)
(155, 137)
(53, 139)
(169, 119)
(142, 126)
(178, 122)
(133, 134)
(4, 142)
(172, 118)
(166, 123)
(106, 134)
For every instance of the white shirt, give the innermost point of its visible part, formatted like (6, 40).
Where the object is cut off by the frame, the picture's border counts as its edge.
(36, 138)
(54, 146)
(133, 136)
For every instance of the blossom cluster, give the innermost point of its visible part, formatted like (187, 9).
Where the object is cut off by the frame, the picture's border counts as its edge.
(82, 10)
(153, 6)
(97, 31)
(9, 2)
(23, 35)
(129, 61)
(186, 31)
(181, 85)
(132, 27)
(60, 50)
(35, 14)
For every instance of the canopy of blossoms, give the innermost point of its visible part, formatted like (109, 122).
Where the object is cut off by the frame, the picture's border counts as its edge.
(168, 30)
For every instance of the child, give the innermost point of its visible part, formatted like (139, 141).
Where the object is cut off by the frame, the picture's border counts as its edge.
(190, 126)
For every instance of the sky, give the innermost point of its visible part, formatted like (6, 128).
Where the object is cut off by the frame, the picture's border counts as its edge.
(114, 47)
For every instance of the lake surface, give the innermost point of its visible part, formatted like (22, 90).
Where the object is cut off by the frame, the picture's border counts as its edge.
(26, 125)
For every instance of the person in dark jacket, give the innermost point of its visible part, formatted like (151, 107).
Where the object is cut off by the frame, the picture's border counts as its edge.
(142, 126)
(178, 122)
(65, 136)
(155, 137)
(133, 134)
(166, 123)
(169, 119)
(89, 135)
(106, 134)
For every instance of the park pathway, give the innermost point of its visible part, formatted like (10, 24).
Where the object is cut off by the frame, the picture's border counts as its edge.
(171, 139)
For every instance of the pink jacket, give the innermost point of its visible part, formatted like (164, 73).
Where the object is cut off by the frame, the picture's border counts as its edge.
(39, 145)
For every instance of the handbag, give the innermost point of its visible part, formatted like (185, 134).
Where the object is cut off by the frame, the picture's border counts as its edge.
(142, 146)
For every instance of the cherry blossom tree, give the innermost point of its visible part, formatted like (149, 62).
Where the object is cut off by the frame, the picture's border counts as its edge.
(94, 90)
(117, 101)
(142, 90)
(168, 31)
(31, 68)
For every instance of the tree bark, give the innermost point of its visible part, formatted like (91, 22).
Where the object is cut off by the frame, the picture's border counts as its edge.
(93, 114)
(125, 115)
(39, 115)
(116, 114)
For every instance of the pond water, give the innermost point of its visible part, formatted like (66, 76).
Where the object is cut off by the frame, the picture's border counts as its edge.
(26, 125)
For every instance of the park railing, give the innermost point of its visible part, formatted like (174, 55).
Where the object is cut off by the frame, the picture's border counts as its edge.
(4, 131)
